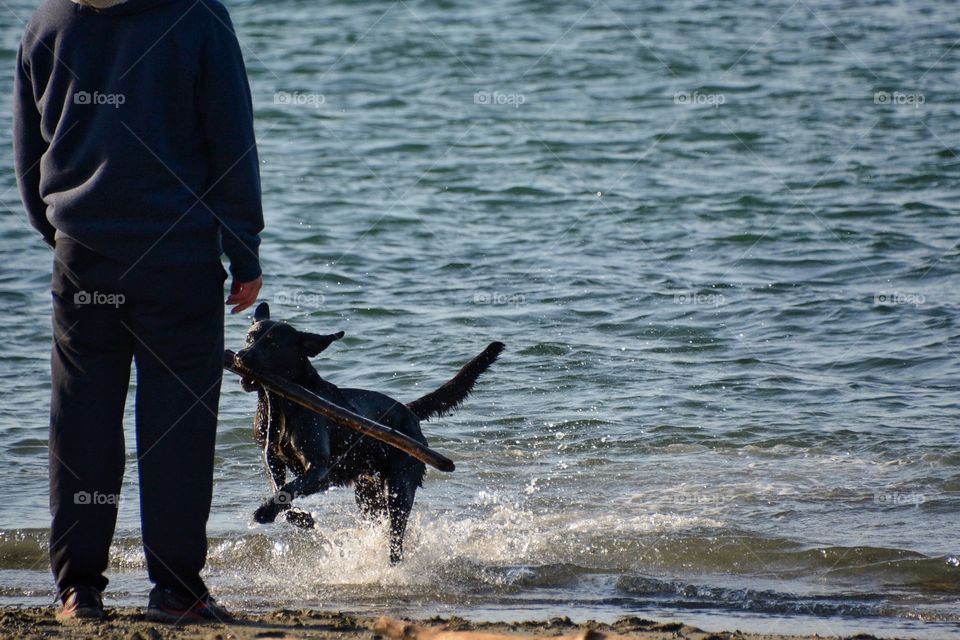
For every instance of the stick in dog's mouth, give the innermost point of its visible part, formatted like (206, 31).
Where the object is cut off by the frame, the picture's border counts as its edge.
(339, 415)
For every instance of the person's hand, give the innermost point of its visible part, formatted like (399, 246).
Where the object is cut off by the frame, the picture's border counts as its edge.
(244, 294)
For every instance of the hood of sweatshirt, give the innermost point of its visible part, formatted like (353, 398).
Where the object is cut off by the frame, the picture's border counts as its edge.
(119, 7)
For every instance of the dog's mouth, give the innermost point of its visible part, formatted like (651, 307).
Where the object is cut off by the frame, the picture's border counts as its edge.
(248, 384)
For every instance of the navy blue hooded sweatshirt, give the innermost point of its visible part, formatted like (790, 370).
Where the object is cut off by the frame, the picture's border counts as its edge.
(133, 133)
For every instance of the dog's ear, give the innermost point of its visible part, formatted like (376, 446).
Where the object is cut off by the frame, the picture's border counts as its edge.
(262, 312)
(313, 344)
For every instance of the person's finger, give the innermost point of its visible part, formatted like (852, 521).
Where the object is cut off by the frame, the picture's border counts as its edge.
(243, 301)
(240, 290)
(245, 295)
(242, 306)
(242, 298)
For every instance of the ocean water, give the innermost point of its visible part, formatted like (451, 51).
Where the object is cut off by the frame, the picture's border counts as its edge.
(720, 240)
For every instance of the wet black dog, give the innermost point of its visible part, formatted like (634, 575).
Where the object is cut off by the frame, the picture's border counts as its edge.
(322, 454)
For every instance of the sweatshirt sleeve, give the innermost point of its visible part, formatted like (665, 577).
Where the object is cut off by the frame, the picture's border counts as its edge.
(28, 148)
(226, 115)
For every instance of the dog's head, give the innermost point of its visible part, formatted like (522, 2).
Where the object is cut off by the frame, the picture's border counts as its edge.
(276, 347)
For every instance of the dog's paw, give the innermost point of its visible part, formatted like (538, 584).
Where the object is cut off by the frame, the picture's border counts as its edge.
(266, 513)
(269, 510)
(300, 518)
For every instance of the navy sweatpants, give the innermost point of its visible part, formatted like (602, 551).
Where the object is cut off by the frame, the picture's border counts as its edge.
(169, 321)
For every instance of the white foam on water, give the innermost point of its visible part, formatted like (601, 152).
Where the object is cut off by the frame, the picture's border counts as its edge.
(497, 543)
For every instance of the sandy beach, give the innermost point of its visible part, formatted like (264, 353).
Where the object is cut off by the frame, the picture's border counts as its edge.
(129, 624)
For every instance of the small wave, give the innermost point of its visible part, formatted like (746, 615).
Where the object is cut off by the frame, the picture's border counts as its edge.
(748, 239)
(546, 349)
(692, 596)
(409, 148)
(385, 103)
(521, 190)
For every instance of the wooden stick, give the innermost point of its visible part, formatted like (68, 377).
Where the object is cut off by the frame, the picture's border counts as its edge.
(337, 414)
(400, 630)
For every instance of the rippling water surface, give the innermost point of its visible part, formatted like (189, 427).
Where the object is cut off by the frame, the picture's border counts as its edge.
(720, 240)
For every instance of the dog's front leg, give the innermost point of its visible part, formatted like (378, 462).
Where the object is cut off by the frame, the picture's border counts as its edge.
(313, 481)
(277, 469)
(312, 440)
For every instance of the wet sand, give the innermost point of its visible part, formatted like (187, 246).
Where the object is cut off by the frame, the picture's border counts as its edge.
(129, 624)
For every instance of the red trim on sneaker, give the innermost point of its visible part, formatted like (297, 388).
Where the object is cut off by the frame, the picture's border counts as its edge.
(80, 602)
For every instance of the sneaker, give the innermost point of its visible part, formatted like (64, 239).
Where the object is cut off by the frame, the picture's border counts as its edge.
(171, 606)
(80, 603)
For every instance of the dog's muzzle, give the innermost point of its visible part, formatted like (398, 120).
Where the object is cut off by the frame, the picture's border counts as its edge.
(247, 384)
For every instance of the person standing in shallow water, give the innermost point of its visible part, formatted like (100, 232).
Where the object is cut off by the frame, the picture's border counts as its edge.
(136, 160)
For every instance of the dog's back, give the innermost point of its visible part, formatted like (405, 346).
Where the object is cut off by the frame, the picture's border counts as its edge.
(357, 455)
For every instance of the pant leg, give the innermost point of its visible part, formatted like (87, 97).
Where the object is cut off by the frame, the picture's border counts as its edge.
(90, 366)
(177, 323)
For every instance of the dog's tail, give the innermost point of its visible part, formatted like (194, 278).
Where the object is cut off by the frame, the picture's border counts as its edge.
(452, 394)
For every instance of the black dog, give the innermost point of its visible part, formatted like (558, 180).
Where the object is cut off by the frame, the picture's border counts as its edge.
(322, 454)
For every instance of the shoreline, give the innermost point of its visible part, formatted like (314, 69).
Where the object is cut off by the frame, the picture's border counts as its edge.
(18, 623)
